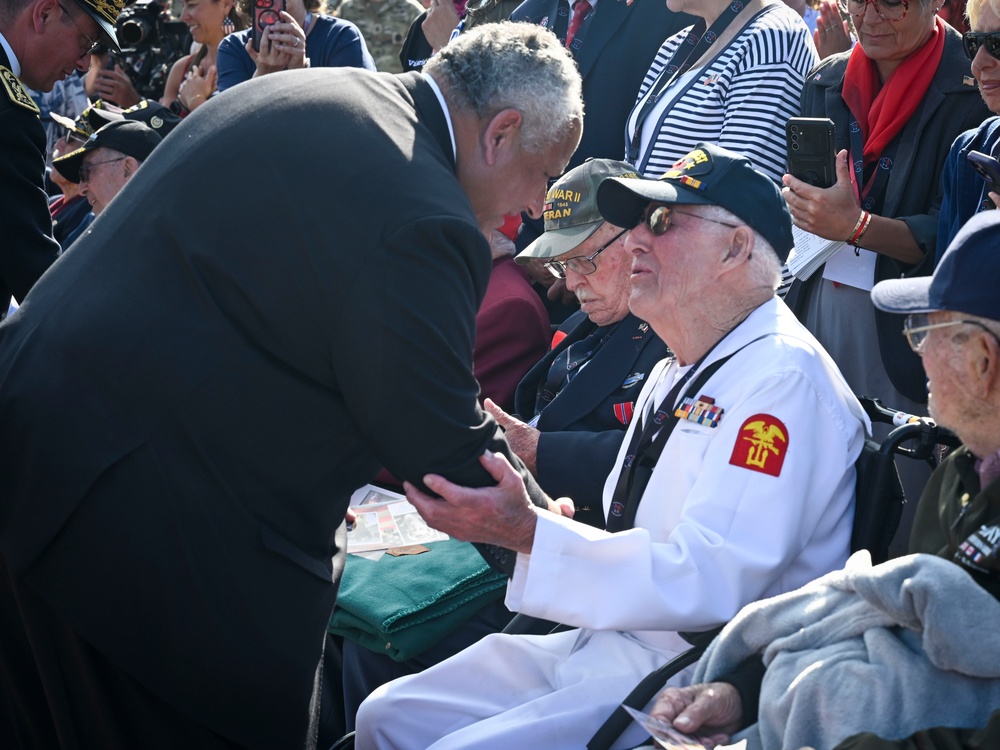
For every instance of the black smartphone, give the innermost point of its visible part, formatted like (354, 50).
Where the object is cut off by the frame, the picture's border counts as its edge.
(987, 166)
(812, 150)
(265, 13)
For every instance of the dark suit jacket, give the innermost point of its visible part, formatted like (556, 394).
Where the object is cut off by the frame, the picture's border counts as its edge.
(188, 401)
(580, 431)
(621, 41)
(914, 191)
(27, 248)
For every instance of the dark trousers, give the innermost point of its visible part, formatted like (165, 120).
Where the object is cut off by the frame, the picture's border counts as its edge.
(57, 691)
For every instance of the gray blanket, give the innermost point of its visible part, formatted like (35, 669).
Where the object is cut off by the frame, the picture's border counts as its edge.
(910, 644)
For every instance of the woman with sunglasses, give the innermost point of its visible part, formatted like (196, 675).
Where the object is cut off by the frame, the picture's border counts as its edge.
(898, 99)
(965, 192)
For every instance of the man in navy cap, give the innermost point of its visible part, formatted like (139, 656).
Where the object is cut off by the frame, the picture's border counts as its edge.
(41, 42)
(108, 160)
(953, 323)
(734, 482)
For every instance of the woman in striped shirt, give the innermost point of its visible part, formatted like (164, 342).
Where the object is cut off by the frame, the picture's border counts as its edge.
(733, 79)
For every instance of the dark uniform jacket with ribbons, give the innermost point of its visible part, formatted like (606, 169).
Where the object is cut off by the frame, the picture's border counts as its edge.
(583, 426)
(27, 248)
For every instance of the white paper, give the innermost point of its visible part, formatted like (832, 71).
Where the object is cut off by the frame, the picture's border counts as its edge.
(809, 253)
(852, 267)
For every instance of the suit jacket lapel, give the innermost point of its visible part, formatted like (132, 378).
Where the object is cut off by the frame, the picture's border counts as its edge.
(429, 111)
(587, 390)
(609, 15)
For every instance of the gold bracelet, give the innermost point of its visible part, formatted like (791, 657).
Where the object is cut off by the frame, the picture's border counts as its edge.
(860, 228)
(861, 220)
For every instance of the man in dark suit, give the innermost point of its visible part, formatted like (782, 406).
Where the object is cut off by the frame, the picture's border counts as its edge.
(613, 48)
(188, 401)
(578, 399)
(41, 42)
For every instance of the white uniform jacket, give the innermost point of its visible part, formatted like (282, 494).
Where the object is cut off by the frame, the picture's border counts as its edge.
(757, 505)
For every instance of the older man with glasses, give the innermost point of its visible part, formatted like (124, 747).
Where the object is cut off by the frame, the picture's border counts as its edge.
(953, 323)
(576, 402)
(41, 42)
(734, 482)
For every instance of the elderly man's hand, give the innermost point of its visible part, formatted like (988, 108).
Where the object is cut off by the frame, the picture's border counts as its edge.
(522, 437)
(712, 710)
(502, 515)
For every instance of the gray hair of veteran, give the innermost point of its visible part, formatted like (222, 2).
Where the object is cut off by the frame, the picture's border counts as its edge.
(520, 66)
(765, 268)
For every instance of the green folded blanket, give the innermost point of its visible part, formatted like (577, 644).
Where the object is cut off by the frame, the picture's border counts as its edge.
(402, 606)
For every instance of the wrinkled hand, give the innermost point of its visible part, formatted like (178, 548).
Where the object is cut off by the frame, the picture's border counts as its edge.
(522, 437)
(282, 47)
(832, 33)
(196, 88)
(502, 514)
(828, 212)
(441, 20)
(712, 710)
(115, 86)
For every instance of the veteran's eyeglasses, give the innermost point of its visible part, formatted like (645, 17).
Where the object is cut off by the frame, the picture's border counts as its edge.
(916, 327)
(888, 10)
(581, 264)
(91, 46)
(86, 170)
(658, 217)
(972, 41)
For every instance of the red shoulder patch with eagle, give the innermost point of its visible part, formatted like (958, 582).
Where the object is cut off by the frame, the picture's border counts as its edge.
(761, 445)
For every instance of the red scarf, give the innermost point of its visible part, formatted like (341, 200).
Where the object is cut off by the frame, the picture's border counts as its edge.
(883, 109)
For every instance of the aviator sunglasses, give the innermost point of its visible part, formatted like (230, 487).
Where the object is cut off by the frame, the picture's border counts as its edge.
(658, 218)
(972, 41)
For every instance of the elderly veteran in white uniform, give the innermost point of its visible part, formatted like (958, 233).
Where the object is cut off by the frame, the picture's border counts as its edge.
(751, 496)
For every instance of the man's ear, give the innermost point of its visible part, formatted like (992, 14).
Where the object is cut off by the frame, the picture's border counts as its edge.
(42, 11)
(502, 133)
(131, 164)
(740, 248)
(986, 365)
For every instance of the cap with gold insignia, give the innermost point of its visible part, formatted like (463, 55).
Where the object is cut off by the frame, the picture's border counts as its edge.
(153, 114)
(133, 139)
(105, 12)
(708, 175)
(570, 212)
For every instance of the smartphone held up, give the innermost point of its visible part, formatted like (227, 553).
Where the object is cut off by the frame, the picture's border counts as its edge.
(812, 154)
(265, 13)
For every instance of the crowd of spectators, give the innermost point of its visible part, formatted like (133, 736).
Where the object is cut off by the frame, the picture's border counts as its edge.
(670, 429)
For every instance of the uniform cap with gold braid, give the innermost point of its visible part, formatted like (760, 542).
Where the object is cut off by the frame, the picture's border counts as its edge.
(105, 12)
(708, 175)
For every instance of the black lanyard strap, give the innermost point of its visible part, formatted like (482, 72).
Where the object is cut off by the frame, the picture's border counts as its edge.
(688, 52)
(648, 441)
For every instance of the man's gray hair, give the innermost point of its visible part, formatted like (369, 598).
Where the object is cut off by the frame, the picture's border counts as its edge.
(521, 66)
(765, 268)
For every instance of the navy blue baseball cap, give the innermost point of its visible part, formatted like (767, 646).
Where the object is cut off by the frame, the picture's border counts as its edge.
(708, 175)
(966, 280)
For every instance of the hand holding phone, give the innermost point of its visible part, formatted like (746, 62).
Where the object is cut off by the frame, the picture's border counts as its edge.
(265, 13)
(812, 150)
